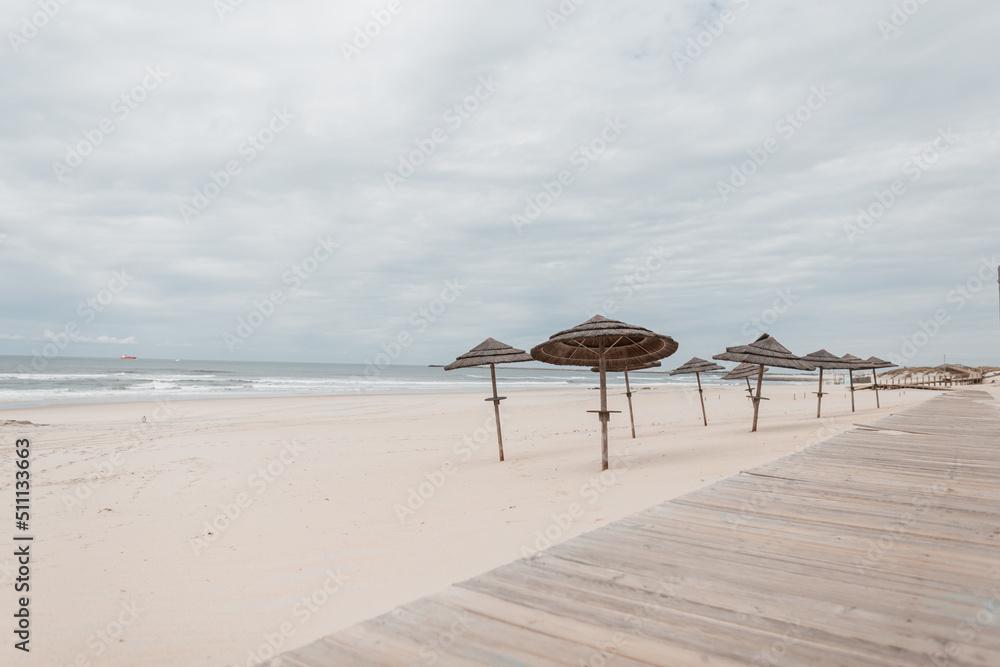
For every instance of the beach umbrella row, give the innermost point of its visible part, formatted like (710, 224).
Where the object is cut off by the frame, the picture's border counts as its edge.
(822, 359)
(608, 345)
(767, 350)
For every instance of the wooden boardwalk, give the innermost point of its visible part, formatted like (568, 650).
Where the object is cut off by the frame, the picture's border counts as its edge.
(880, 546)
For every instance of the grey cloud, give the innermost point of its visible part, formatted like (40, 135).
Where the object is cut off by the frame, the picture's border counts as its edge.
(657, 185)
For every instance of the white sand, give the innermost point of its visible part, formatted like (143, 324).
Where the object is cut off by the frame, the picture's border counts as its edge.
(136, 535)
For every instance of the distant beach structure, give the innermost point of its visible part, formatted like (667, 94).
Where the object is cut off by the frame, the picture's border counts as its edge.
(937, 377)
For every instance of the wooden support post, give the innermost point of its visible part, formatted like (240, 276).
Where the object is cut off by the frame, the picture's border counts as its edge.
(819, 394)
(628, 395)
(875, 384)
(851, 372)
(496, 408)
(604, 409)
(603, 413)
(701, 396)
(756, 400)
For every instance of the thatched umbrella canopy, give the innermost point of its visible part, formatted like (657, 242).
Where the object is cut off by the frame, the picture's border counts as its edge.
(765, 351)
(744, 370)
(615, 368)
(874, 363)
(822, 359)
(600, 341)
(698, 366)
(853, 364)
(492, 352)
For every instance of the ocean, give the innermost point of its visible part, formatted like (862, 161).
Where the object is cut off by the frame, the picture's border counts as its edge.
(100, 380)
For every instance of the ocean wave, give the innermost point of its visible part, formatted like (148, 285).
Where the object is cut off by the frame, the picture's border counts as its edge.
(96, 380)
(50, 377)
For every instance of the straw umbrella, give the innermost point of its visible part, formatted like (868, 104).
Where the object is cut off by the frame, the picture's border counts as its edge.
(613, 368)
(873, 363)
(822, 359)
(697, 366)
(491, 352)
(744, 372)
(602, 341)
(853, 364)
(765, 351)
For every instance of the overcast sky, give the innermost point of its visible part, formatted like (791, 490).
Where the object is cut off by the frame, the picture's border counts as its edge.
(714, 157)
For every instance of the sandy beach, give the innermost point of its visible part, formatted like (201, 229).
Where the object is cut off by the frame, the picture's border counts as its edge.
(220, 531)
(271, 266)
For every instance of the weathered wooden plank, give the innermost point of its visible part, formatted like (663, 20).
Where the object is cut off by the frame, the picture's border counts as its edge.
(454, 634)
(381, 639)
(907, 481)
(931, 519)
(780, 601)
(326, 652)
(663, 563)
(741, 549)
(594, 642)
(837, 529)
(712, 638)
(876, 496)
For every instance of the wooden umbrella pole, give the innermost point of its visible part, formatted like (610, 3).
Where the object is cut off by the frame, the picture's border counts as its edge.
(875, 384)
(701, 395)
(756, 400)
(819, 394)
(496, 407)
(749, 388)
(850, 372)
(628, 395)
(603, 365)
